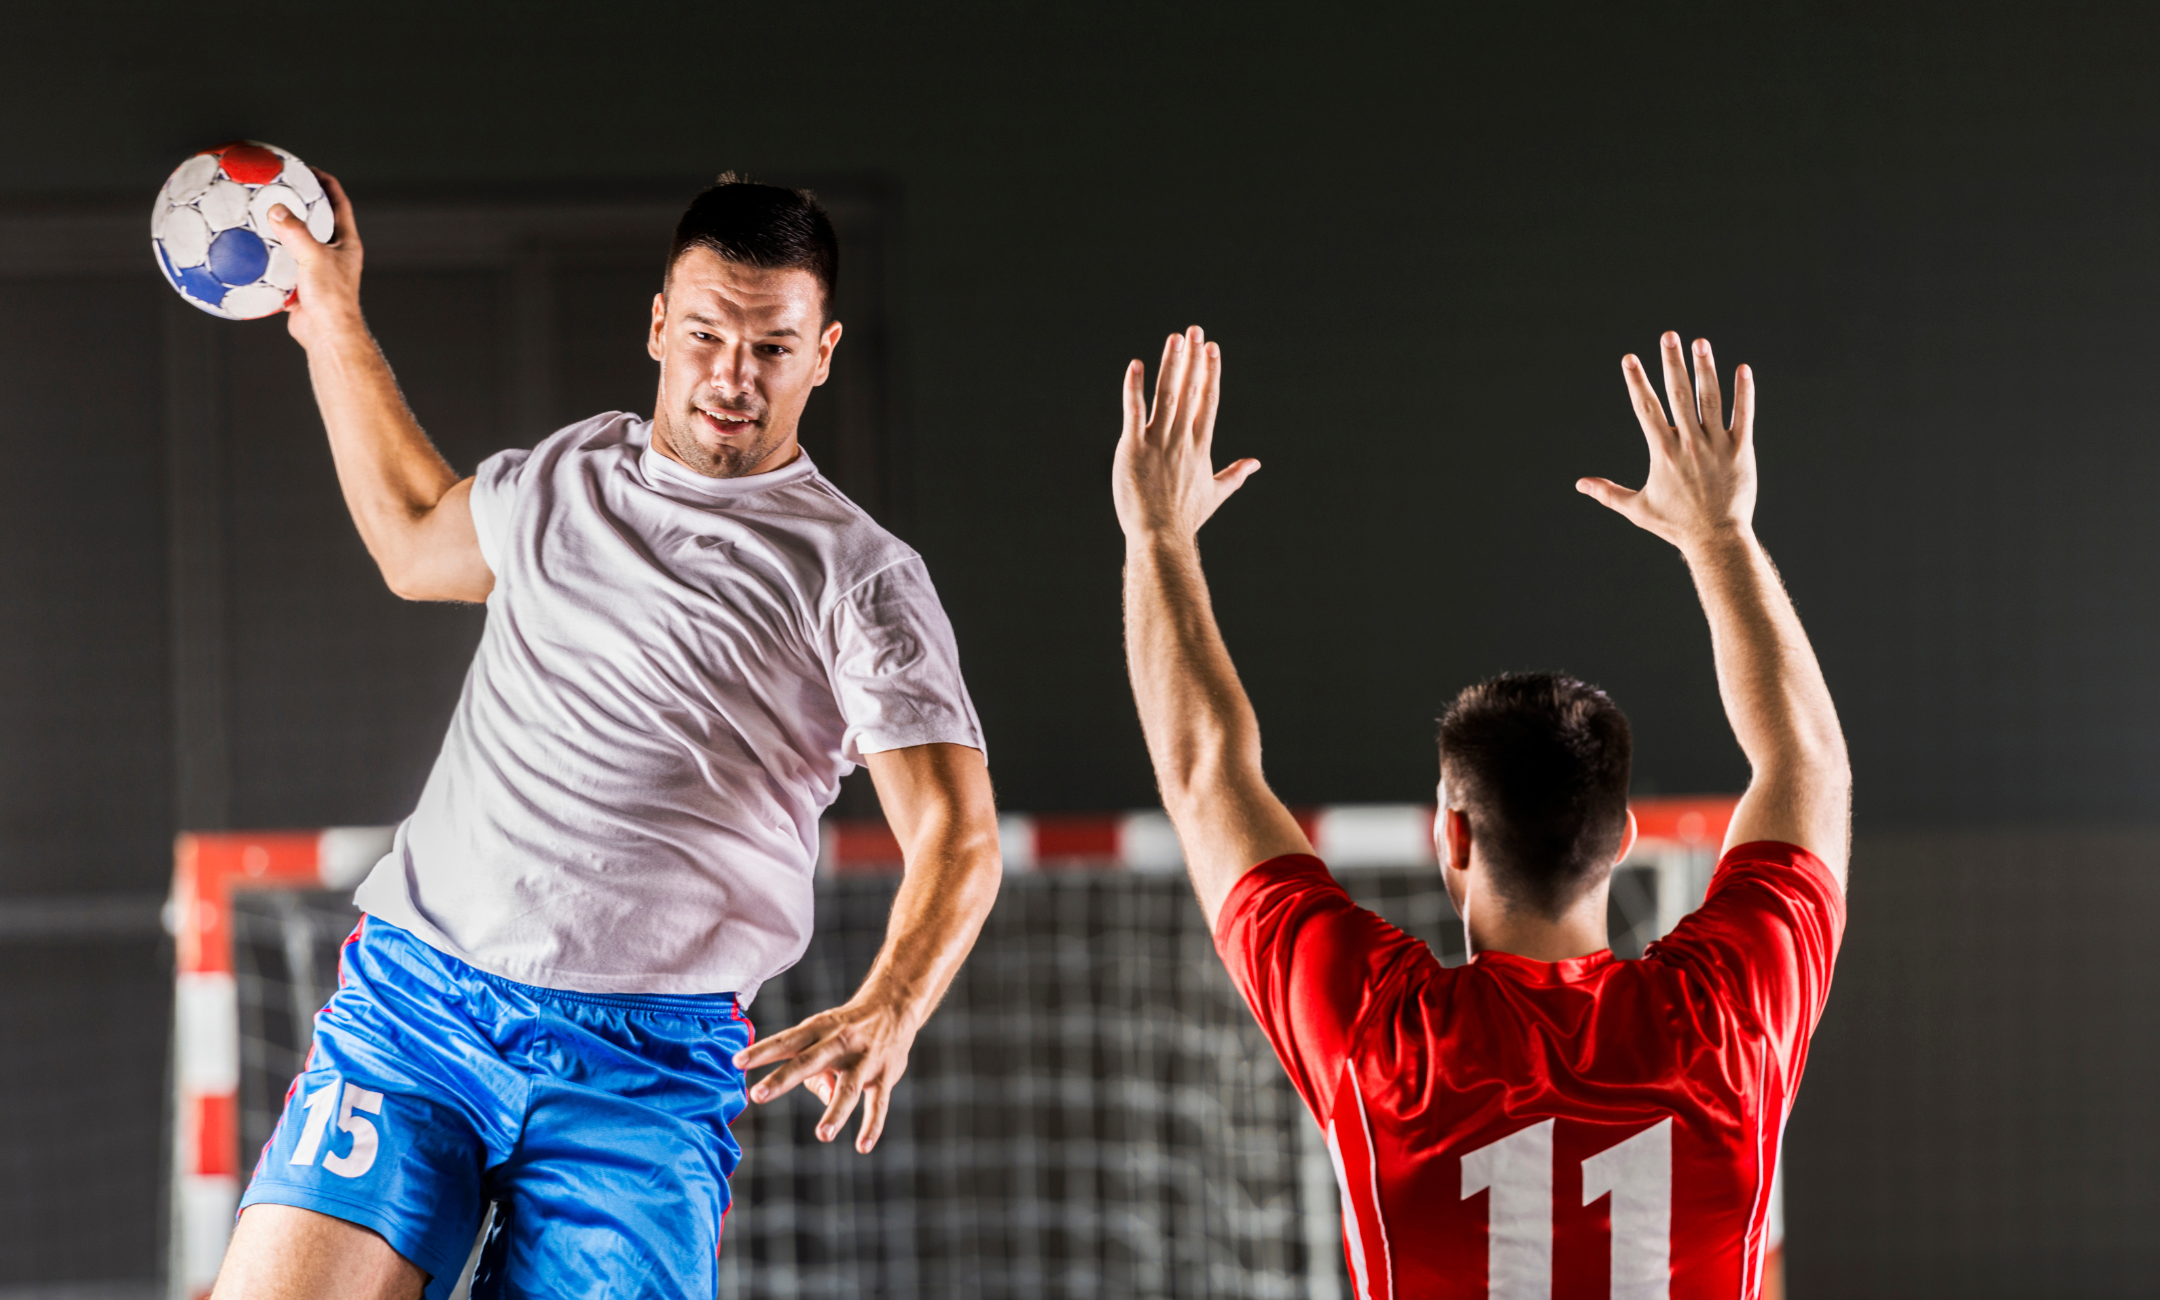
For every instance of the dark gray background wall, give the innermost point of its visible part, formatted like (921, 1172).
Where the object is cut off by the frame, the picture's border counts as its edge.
(1424, 237)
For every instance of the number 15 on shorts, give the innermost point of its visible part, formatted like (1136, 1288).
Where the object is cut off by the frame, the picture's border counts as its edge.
(348, 1102)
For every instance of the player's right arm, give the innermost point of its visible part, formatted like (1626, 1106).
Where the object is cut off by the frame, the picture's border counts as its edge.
(414, 512)
(1700, 496)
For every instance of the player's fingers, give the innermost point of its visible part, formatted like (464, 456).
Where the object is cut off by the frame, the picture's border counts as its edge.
(1709, 402)
(346, 230)
(1648, 411)
(781, 1046)
(1743, 406)
(1678, 391)
(824, 1055)
(293, 232)
(876, 1098)
(1207, 392)
(846, 1091)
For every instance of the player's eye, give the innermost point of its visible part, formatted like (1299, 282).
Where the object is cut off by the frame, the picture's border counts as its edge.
(775, 350)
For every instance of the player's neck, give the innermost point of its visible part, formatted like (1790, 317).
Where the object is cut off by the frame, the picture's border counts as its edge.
(1578, 932)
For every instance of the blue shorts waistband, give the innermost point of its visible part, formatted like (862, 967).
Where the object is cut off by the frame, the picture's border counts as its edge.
(721, 1006)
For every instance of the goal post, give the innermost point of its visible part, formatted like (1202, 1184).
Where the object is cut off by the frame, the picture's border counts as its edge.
(207, 1161)
(1091, 1101)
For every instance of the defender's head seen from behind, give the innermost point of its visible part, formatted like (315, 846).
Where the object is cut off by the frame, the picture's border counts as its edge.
(1534, 767)
(742, 327)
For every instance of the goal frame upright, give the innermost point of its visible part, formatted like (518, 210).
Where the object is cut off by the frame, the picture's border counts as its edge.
(204, 1119)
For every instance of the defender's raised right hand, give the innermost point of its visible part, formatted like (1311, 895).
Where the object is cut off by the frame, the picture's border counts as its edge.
(329, 289)
(1702, 471)
(1164, 480)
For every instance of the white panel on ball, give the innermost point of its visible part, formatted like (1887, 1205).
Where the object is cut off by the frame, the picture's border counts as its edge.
(254, 301)
(302, 178)
(191, 178)
(185, 235)
(224, 205)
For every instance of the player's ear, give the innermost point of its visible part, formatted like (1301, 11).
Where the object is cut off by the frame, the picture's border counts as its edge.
(1627, 841)
(653, 337)
(827, 342)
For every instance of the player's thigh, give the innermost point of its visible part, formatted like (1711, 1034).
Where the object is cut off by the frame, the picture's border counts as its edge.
(383, 1151)
(282, 1252)
(612, 1196)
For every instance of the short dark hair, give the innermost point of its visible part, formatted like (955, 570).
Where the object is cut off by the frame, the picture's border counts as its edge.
(763, 226)
(1539, 762)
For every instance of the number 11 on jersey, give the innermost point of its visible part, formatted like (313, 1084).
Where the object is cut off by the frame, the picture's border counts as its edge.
(1518, 1170)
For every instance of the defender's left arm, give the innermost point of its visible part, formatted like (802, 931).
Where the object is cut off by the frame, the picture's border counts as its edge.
(939, 802)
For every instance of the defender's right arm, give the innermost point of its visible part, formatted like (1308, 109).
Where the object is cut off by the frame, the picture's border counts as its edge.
(413, 511)
(1700, 496)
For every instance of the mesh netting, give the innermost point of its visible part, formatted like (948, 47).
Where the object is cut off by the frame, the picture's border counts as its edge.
(1092, 1112)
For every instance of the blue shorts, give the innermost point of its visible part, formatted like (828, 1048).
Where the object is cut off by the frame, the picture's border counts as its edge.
(597, 1125)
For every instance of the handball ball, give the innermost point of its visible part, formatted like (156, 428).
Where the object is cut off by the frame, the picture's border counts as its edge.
(212, 234)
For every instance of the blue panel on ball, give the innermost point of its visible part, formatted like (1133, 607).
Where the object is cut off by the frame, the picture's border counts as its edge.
(237, 256)
(197, 283)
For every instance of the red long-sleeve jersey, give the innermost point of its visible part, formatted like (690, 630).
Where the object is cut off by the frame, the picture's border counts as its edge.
(1526, 1130)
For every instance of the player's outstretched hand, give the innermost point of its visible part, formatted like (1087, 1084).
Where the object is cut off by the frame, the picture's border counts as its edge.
(852, 1053)
(328, 296)
(1164, 479)
(1702, 470)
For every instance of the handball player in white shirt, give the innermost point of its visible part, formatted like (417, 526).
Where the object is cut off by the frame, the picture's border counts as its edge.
(691, 636)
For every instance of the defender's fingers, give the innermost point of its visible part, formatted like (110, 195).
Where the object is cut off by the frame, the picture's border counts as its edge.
(1648, 410)
(1678, 391)
(1169, 385)
(1207, 393)
(845, 1094)
(1233, 475)
(1607, 493)
(1709, 402)
(874, 1106)
(1135, 398)
(1195, 380)
(1743, 405)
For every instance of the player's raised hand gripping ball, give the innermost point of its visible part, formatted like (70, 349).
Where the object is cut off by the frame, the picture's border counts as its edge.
(213, 236)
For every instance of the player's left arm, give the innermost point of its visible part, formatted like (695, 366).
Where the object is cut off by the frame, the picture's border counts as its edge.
(939, 802)
(1202, 734)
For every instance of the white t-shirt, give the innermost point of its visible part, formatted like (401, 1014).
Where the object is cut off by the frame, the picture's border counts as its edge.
(676, 673)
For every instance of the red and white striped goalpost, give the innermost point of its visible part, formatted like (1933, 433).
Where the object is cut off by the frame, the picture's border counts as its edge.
(1678, 839)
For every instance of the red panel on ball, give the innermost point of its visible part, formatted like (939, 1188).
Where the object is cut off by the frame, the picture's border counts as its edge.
(251, 164)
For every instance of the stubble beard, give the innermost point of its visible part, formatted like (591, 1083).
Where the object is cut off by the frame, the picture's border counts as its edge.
(726, 462)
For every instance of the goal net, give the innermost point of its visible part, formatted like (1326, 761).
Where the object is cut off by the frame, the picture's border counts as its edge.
(1092, 1111)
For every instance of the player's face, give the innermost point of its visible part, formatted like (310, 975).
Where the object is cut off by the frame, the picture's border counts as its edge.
(739, 349)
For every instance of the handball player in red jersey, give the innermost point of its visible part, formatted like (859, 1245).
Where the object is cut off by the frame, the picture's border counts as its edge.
(1545, 1121)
